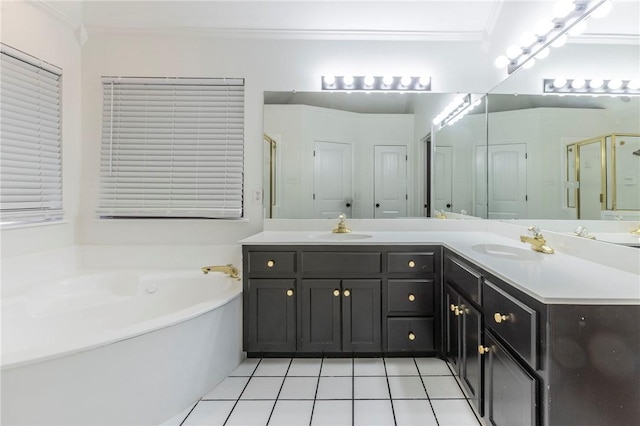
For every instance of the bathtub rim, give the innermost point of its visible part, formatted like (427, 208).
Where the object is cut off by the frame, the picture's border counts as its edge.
(23, 358)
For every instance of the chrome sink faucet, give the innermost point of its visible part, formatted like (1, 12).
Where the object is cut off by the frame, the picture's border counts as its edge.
(228, 269)
(342, 225)
(537, 241)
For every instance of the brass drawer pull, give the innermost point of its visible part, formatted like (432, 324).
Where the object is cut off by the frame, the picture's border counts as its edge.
(347, 293)
(412, 297)
(453, 307)
(483, 349)
(289, 292)
(336, 292)
(498, 317)
(411, 336)
(270, 263)
(412, 264)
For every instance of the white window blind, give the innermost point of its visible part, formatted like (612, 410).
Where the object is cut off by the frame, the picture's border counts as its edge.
(30, 139)
(172, 147)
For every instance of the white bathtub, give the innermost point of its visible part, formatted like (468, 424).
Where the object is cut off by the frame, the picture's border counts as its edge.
(117, 347)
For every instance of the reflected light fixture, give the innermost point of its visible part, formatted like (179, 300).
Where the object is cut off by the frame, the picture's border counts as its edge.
(457, 109)
(593, 86)
(377, 83)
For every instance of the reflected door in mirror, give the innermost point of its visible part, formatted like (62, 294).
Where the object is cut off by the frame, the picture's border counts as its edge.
(507, 181)
(332, 179)
(390, 186)
(443, 172)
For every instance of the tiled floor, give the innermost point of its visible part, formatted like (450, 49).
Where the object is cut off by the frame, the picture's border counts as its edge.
(333, 392)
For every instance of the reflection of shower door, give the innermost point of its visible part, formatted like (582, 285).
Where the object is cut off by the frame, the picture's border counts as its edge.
(590, 170)
(332, 177)
(442, 175)
(507, 168)
(390, 182)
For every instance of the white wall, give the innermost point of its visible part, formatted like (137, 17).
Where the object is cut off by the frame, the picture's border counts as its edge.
(297, 127)
(32, 29)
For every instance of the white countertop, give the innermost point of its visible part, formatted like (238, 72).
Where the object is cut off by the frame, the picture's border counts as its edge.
(550, 278)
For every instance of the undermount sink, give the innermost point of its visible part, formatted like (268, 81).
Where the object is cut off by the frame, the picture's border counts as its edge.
(330, 236)
(505, 252)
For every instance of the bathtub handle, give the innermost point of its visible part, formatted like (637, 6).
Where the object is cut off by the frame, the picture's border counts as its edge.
(289, 292)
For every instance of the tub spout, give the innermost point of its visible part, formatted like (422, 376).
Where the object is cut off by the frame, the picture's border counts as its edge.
(228, 269)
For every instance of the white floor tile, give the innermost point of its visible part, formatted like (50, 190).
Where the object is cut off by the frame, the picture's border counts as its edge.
(291, 413)
(246, 367)
(337, 367)
(432, 367)
(331, 413)
(414, 412)
(370, 388)
(372, 413)
(406, 387)
(335, 388)
(250, 413)
(262, 388)
(229, 388)
(299, 388)
(305, 367)
(209, 413)
(368, 367)
(401, 367)
(178, 418)
(439, 387)
(273, 367)
(454, 412)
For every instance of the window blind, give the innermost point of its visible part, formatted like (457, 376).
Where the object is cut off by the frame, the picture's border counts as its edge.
(172, 147)
(30, 139)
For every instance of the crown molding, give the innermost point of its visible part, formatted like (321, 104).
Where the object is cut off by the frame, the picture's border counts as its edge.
(56, 13)
(295, 34)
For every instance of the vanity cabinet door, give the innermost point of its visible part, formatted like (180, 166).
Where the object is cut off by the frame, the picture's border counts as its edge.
(452, 327)
(510, 390)
(270, 324)
(320, 306)
(471, 360)
(361, 316)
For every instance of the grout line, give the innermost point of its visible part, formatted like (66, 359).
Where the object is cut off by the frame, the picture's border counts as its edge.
(353, 391)
(243, 389)
(315, 395)
(428, 397)
(280, 390)
(393, 410)
(189, 413)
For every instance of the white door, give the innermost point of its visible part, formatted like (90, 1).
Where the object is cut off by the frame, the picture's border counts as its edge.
(590, 193)
(480, 206)
(390, 181)
(442, 176)
(507, 167)
(332, 177)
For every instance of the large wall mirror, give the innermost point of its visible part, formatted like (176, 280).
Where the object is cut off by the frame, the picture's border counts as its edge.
(367, 155)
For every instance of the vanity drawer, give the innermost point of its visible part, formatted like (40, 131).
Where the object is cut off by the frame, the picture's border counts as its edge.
(272, 261)
(415, 297)
(464, 277)
(341, 262)
(410, 334)
(512, 320)
(414, 263)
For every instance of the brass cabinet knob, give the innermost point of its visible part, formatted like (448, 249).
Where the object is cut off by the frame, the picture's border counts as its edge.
(412, 297)
(289, 292)
(347, 293)
(411, 336)
(336, 292)
(270, 263)
(483, 349)
(412, 264)
(498, 317)
(453, 307)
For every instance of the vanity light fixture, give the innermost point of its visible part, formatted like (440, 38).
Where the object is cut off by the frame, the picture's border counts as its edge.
(569, 19)
(594, 86)
(457, 109)
(377, 83)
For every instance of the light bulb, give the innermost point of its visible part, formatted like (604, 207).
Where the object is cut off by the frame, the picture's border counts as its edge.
(559, 82)
(543, 53)
(614, 84)
(595, 83)
(369, 80)
(531, 62)
(578, 28)
(527, 39)
(514, 51)
(329, 80)
(543, 27)
(405, 81)
(602, 10)
(347, 80)
(563, 8)
(424, 81)
(577, 83)
(634, 84)
(387, 80)
(560, 41)
(436, 120)
(502, 61)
